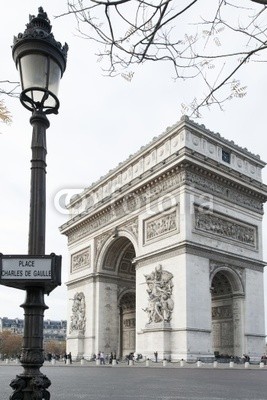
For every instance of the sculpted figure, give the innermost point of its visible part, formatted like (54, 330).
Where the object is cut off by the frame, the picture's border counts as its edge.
(160, 304)
(78, 313)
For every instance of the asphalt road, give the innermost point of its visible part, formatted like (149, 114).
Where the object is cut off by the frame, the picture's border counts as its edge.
(130, 383)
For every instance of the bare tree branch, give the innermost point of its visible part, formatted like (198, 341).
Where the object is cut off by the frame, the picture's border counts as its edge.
(131, 32)
(7, 88)
(5, 115)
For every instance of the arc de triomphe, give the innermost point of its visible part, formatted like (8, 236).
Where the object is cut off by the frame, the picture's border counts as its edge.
(166, 252)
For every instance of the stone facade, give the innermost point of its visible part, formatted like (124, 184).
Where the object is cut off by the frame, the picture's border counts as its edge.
(166, 252)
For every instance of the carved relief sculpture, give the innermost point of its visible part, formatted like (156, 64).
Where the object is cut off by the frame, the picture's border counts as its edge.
(225, 227)
(81, 260)
(160, 304)
(222, 312)
(78, 318)
(162, 225)
(121, 208)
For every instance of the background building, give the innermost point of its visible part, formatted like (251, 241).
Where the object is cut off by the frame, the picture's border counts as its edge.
(53, 330)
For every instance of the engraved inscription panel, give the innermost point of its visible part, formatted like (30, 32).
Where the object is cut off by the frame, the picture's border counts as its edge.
(223, 329)
(216, 330)
(128, 332)
(227, 334)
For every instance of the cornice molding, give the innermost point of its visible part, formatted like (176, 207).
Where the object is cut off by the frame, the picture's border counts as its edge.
(99, 277)
(186, 141)
(185, 173)
(171, 133)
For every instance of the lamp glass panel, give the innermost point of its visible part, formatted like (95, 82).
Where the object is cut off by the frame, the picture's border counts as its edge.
(40, 71)
(34, 70)
(54, 77)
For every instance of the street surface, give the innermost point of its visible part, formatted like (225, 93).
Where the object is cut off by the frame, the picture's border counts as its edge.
(73, 382)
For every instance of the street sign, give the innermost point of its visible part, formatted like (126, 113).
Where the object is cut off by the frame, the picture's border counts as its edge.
(21, 271)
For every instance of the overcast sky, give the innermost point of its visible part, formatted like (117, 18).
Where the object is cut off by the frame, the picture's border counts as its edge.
(101, 122)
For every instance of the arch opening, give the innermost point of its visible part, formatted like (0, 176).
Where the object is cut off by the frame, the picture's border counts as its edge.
(127, 324)
(222, 315)
(119, 270)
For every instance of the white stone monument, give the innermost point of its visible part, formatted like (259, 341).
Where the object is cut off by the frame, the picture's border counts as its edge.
(166, 252)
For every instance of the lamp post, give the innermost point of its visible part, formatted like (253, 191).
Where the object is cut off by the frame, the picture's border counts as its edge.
(41, 62)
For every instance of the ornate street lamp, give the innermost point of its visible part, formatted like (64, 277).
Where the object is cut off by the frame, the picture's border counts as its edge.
(41, 62)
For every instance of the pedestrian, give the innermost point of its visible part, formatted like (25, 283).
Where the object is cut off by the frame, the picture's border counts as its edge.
(102, 358)
(156, 356)
(130, 358)
(70, 357)
(115, 357)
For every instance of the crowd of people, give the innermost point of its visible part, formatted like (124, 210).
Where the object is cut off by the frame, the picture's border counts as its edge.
(108, 358)
(49, 357)
(105, 359)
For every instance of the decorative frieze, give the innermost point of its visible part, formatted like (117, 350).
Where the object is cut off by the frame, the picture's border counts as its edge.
(213, 185)
(184, 135)
(129, 323)
(215, 224)
(129, 204)
(81, 260)
(222, 312)
(173, 179)
(161, 225)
